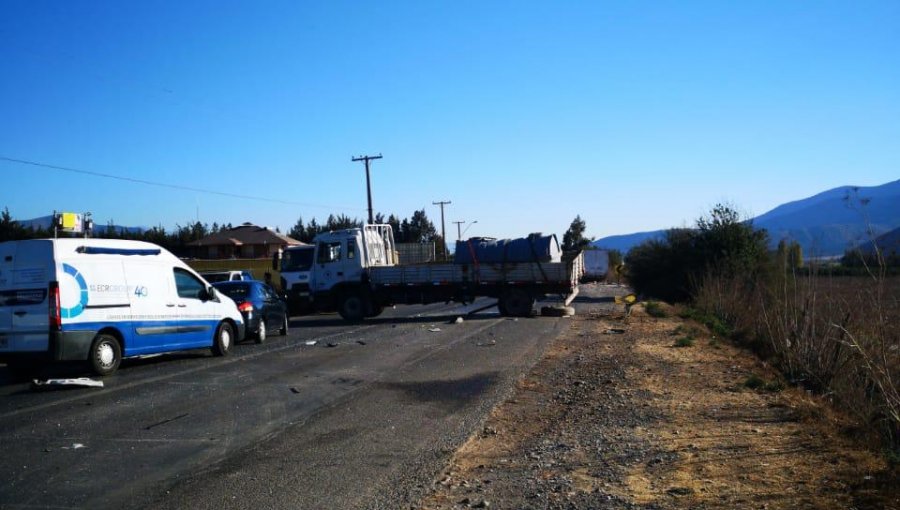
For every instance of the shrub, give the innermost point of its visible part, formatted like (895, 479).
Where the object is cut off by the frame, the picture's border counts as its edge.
(685, 341)
(654, 309)
(672, 268)
(754, 382)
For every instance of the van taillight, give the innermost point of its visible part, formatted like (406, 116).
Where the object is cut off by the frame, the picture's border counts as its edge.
(246, 306)
(53, 299)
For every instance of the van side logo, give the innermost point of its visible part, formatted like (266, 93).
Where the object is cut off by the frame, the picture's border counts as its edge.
(75, 311)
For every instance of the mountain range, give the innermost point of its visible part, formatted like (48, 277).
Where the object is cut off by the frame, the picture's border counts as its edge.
(46, 223)
(824, 225)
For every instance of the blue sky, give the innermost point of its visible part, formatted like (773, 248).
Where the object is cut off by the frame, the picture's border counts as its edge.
(635, 115)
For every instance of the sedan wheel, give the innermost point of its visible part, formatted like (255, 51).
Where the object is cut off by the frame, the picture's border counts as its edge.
(261, 334)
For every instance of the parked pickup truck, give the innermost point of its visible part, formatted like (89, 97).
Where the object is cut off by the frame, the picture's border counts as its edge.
(356, 272)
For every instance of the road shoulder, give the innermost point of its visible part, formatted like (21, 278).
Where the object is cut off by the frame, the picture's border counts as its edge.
(616, 415)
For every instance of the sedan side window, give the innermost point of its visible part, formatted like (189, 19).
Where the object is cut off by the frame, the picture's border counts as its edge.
(188, 285)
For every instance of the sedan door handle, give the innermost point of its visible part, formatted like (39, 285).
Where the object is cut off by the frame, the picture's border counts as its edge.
(20, 313)
(340, 273)
(182, 306)
(170, 305)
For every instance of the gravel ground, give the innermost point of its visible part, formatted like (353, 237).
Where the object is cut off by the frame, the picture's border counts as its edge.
(617, 416)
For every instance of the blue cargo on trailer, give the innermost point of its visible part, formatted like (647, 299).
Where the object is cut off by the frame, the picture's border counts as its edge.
(487, 250)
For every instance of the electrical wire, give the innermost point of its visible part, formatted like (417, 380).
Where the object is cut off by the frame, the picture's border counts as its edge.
(171, 186)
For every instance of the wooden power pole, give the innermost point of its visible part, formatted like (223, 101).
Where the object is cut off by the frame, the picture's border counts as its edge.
(368, 183)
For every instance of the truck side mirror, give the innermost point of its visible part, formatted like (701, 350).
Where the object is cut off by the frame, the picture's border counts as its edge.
(275, 258)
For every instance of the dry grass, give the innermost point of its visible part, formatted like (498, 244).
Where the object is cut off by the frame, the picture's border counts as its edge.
(838, 336)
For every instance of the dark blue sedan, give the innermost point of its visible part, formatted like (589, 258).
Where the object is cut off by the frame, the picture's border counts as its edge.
(262, 308)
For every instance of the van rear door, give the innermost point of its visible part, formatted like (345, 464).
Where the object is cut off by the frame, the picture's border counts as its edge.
(7, 294)
(25, 274)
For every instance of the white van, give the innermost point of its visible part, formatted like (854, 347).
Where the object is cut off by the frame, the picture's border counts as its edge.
(100, 300)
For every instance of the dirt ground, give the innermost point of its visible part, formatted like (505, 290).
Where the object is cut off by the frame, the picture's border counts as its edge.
(617, 415)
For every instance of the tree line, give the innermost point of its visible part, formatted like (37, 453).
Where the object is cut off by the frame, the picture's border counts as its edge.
(416, 229)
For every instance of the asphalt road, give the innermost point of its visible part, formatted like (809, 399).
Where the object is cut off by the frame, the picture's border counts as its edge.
(365, 418)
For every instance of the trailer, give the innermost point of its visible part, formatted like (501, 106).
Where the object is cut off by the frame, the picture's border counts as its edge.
(357, 273)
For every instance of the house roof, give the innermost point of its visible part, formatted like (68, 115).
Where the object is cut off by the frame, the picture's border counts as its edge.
(247, 233)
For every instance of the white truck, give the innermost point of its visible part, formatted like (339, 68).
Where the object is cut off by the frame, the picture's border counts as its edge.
(356, 272)
(294, 264)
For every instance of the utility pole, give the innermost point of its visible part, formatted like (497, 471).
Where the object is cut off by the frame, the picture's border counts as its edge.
(458, 229)
(442, 203)
(368, 182)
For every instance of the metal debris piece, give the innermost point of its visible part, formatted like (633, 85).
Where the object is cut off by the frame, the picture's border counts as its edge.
(310, 342)
(434, 330)
(614, 331)
(79, 381)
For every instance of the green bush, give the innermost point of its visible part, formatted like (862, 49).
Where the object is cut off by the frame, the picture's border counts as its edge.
(754, 382)
(721, 244)
(717, 326)
(654, 309)
(685, 341)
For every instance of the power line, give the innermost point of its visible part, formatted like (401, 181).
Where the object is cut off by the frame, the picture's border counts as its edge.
(166, 185)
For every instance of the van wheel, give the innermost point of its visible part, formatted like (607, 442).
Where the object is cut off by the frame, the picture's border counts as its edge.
(105, 355)
(284, 326)
(261, 334)
(223, 339)
(352, 307)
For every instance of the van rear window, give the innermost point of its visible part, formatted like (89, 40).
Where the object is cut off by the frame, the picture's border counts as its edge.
(21, 297)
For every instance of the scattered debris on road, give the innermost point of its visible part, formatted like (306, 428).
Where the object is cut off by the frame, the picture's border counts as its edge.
(361, 342)
(83, 382)
(614, 331)
(294, 389)
(557, 311)
(310, 342)
(434, 330)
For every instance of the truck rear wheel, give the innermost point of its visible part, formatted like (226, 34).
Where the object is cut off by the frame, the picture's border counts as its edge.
(352, 307)
(516, 303)
(376, 310)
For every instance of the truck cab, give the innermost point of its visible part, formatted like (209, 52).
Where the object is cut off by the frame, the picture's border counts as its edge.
(295, 264)
(341, 261)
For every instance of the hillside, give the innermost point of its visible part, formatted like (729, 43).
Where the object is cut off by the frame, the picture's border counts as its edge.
(824, 224)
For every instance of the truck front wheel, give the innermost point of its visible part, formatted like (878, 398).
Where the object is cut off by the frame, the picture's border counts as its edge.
(352, 307)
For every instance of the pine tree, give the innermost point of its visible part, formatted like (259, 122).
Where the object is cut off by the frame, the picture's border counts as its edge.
(573, 239)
